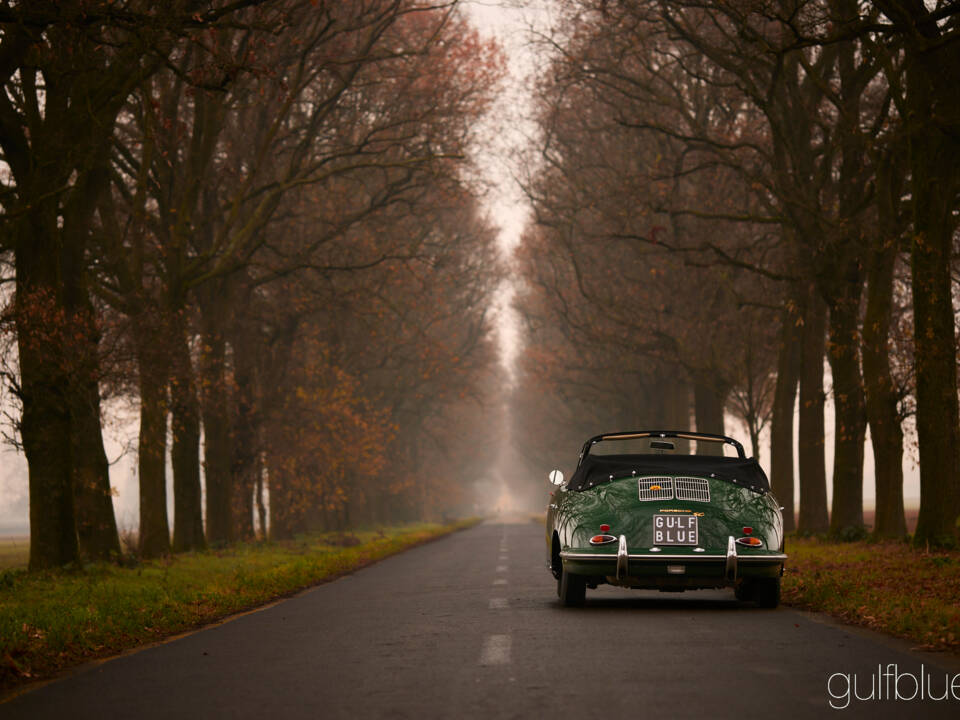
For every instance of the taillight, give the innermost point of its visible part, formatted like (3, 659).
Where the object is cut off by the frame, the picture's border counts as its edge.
(750, 541)
(602, 539)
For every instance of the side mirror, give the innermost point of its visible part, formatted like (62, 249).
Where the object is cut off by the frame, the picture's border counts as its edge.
(556, 477)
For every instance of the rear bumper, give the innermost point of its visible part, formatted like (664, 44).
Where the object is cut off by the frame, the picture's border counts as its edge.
(667, 570)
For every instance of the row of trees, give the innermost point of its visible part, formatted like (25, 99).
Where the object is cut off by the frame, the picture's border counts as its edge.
(252, 217)
(725, 194)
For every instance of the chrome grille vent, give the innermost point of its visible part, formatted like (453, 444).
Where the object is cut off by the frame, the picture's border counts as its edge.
(693, 489)
(656, 488)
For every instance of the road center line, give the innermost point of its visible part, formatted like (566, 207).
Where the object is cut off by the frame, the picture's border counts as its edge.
(496, 650)
(500, 581)
(501, 568)
(498, 603)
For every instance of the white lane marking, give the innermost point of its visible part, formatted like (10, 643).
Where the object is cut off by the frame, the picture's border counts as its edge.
(500, 581)
(496, 650)
(498, 603)
(501, 568)
(503, 558)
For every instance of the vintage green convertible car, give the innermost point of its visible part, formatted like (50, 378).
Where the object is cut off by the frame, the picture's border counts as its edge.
(665, 510)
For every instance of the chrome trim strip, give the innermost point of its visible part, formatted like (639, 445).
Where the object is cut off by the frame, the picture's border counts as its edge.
(622, 558)
(780, 557)
(730, 571)
(746, 559)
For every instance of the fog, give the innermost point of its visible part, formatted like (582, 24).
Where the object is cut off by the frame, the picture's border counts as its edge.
(485, 258)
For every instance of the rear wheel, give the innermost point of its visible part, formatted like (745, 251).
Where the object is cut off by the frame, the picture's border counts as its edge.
(766, 592)
(743, 591)
(572, 589)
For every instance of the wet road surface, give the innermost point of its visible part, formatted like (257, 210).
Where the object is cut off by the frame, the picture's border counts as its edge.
(469, 627)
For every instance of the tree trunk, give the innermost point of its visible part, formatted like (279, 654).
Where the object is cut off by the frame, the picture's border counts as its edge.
(708, 402)
(886, 434)
(185, 454)
(810, 442)
(216, 436)
(932, 101)
(154, 526)
(245, 443)
(846, 519)
(261, 504)
(281, 527)
(96, 521)
(44, 351)
(781, 427)
(244, 486)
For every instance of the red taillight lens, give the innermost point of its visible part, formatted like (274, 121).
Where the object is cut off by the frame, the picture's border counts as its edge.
(748, 531)
(604, 528)
(750, 541)
(602, 539)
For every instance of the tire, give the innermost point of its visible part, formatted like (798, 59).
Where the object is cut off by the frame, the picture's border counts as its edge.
(766, 592)
(572, 589)
(743, 591)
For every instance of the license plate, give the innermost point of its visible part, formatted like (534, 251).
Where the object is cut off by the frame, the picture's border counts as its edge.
(675, 530)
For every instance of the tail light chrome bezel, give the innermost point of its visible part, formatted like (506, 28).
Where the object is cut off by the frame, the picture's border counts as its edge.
(603, 539)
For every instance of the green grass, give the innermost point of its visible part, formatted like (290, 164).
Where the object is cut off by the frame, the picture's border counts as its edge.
(53, 620)
(887, 586)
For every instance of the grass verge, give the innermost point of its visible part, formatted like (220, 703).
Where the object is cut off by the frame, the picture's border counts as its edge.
(53, 620)
(887, 586)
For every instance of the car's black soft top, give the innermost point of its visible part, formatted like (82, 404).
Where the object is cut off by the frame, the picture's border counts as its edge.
(596, 469)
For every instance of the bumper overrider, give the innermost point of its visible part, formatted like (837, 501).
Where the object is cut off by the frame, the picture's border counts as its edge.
(672, 567)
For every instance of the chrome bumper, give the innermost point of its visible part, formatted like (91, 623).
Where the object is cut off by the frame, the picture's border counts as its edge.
(620, 566)
(623, 559)
(730, 570)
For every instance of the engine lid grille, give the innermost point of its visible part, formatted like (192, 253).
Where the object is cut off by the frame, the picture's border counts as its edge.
(656, 488)
(688, 488)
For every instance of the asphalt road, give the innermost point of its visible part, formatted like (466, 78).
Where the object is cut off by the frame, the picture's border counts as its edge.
(469, 627)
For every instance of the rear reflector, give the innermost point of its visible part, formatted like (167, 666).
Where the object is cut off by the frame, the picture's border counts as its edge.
(604, 528)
